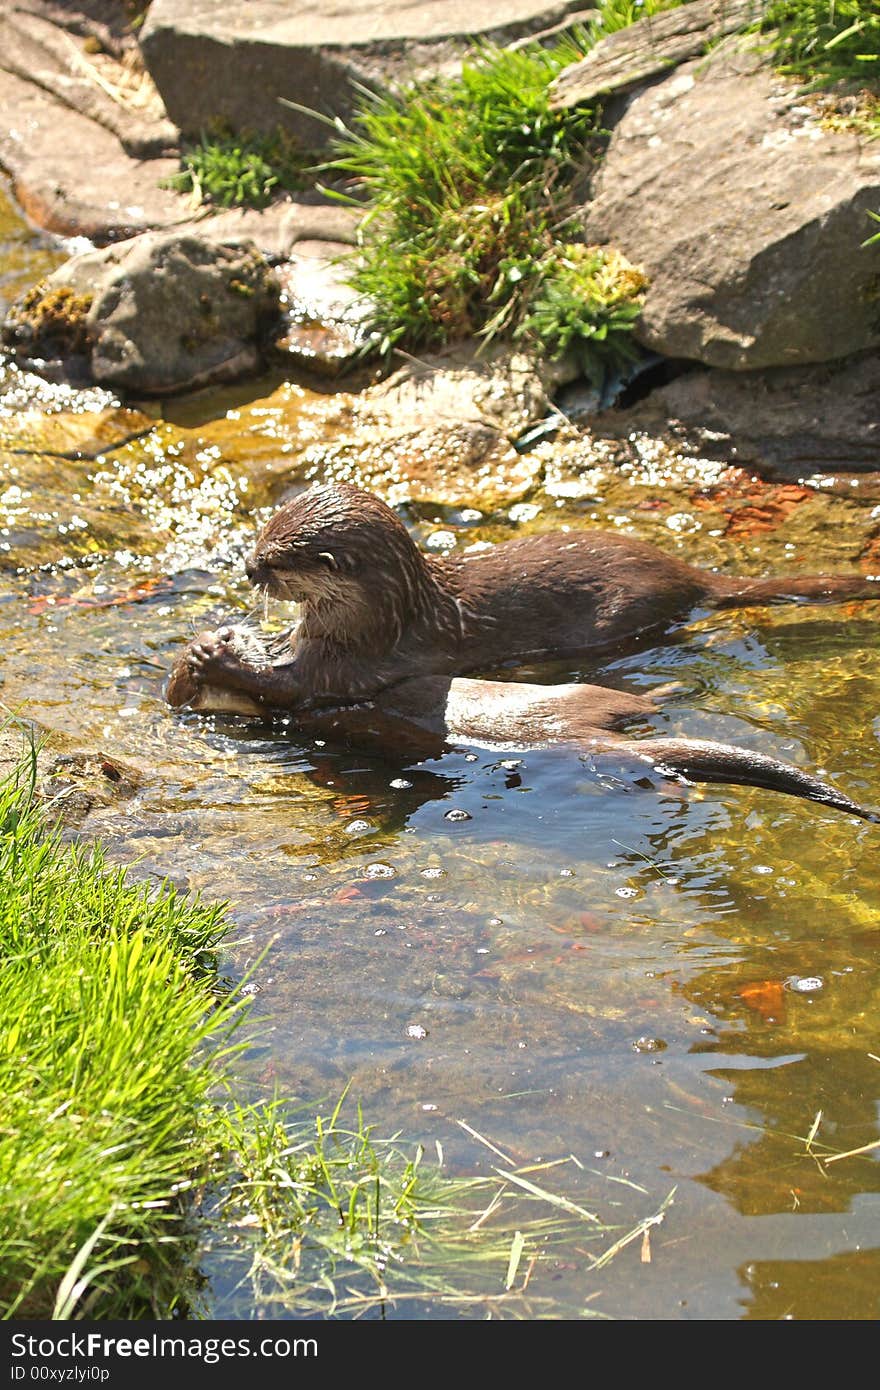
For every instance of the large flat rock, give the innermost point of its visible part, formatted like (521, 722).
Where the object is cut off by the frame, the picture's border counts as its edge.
(72, 175)
(747, 215)
(215, 59)
(37, 50)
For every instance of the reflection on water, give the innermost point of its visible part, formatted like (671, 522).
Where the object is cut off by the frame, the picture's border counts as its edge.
(25, 255)
(669, 983)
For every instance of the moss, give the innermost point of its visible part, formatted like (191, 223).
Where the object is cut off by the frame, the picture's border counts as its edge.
(49, 322)
(587, 302)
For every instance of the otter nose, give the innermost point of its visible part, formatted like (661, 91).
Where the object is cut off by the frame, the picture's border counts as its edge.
(250, 570)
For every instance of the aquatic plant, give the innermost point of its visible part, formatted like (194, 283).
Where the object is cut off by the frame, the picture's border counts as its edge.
(324, 1218)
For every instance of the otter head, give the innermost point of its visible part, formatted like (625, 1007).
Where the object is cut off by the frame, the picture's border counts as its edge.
(348, 559)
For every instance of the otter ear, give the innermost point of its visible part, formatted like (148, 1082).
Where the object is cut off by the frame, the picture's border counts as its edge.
(328, 559)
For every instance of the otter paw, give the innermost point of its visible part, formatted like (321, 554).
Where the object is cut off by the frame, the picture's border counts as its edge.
(211, 655)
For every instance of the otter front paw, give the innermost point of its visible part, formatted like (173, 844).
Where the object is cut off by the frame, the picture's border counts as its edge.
(212, 659)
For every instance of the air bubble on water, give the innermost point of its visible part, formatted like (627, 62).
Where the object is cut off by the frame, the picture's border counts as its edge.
(379, 871)
(804, 984)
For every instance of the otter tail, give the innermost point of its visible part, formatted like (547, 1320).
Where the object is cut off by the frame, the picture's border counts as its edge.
(701, 761)
(796, 588)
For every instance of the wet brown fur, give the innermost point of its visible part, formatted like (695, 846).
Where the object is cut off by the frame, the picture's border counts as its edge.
(421, 717)
(375, 610)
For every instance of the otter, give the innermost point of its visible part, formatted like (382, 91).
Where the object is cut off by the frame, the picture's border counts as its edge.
(376, 611)
(421, 717)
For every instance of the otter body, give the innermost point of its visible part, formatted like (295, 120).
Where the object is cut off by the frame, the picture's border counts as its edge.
(376, 611)
(421, 717)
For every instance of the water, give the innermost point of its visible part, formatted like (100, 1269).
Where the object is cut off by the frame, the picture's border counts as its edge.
(667, 983)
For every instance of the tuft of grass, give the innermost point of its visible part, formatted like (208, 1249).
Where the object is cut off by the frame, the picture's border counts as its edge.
(612, 15)
(587, 303)
(110, 1029)
(468, 184)
(826, 41)
(240, 170)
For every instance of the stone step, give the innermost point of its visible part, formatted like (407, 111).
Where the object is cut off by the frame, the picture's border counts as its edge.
(36, 51)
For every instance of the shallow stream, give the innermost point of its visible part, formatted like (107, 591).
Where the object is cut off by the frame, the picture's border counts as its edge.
(668, 983)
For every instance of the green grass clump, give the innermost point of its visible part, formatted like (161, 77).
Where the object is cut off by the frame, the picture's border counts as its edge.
(587, 303)
(612, 15)
(827, 41)
(244, 170)
(469, 190)
(109, 1021)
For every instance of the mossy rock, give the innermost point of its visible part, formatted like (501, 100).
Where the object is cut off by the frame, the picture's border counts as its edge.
(161, 313)
(49, 321)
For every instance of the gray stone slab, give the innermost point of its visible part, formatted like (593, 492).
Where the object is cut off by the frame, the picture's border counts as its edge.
(72, 175)
(37, 51)
(747, 215)
(219, 59)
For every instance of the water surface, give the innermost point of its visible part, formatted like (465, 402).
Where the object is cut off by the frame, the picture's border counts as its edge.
(668, 983)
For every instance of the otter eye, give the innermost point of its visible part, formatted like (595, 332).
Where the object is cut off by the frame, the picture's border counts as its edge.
(327, 559)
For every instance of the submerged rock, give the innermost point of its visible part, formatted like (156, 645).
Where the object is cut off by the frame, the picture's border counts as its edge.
(436, 432)
(747, 215)
(161, 313)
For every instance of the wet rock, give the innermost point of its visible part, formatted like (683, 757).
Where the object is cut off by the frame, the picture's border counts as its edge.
(747, 215)
(70, 782)
(161, 313)
(788, 420)
(318, 222)
(323, 317)
(442, 429)
(77, 783)
(237, 63)
(437, 431)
